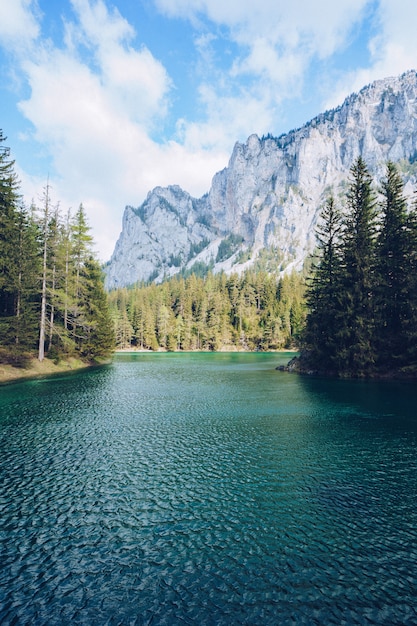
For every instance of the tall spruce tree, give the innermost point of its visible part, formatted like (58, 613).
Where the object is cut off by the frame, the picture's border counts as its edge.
(98, 328)
(27, 271)
(323, 318)
(410, 323)
(356, 327)
(51, 291)
(9, 244)
(393, 274)
(81, 251)
(44, 227)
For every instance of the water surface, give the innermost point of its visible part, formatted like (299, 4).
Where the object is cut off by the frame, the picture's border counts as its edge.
(207, 489)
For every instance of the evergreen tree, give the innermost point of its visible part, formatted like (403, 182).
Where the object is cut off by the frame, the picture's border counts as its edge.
(97, 327)
(410, 323)
(393, 273)
(323, 319)
(44, 234)
(210, 313)
(356, 328)
(51, 291)
(80, 253)
(9, 244)
(26, 272)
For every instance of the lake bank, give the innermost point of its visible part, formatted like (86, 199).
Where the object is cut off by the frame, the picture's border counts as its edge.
(302, 365)
(37, 369)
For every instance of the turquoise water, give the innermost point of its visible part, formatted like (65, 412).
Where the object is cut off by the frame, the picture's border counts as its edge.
(207, 489)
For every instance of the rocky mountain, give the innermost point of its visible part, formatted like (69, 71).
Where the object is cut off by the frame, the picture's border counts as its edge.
(263, 207)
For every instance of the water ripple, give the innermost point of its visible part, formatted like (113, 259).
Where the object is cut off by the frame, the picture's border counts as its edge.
(209, 489)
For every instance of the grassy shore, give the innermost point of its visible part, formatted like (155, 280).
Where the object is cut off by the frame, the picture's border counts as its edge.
(36, 369)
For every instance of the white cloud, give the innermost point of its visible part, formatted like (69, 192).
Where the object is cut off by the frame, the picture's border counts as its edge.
(137, 82)
(393, 49)
(18, 24)
(276, 43)
(313, 28)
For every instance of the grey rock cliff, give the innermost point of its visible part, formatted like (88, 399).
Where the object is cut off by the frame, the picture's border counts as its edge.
(266, 202)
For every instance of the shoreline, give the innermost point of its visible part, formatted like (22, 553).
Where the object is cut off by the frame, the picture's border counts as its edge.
(134, 351)
(37, 369)
(297, 366)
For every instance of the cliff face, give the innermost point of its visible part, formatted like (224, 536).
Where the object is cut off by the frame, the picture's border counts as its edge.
(268, 198)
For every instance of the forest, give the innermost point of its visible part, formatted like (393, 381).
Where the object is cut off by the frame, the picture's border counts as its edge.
(253, 311)
(52, 298)
(362, 295)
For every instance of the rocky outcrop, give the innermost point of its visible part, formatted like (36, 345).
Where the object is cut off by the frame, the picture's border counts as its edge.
(265, 204)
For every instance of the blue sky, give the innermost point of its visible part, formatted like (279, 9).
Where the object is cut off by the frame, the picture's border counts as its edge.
(110, 99)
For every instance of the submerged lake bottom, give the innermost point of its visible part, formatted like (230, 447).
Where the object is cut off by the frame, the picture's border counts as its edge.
(207, 489)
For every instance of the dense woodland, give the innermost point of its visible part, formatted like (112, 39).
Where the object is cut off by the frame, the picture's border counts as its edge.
(362, 298)
(52, 299)
(249, 312)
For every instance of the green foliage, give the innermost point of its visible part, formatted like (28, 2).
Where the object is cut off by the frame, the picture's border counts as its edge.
(362, 296)
(215, 312)
(228, 247)
(356, 323)
(196, 248)
(99, 338)
(269, 260)
(199, 269)
(175, 260)
(52, 299)
(394, 270)
(243, 256)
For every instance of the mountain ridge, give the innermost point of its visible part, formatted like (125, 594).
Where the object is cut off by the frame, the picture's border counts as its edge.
(263, 207)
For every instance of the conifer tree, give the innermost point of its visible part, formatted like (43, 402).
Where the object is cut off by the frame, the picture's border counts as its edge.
(50, 284)
(410, 323)
(323, 319)
(27, 272)
(393, 273)
(44, 226)
(9, 243)
(97, 326)
(80, 253)
(356, 328)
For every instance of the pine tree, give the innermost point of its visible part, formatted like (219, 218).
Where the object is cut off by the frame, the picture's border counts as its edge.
(98, 328)
(410, 323)
(44, 234)
(27, 272)
(393, 272)
(80, 253)
(9, 244)
(356, 328)
(323, 319)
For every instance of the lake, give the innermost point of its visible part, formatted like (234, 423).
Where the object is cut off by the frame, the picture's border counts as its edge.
(207, 489)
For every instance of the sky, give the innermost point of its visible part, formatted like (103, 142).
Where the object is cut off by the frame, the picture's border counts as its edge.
(105, 100)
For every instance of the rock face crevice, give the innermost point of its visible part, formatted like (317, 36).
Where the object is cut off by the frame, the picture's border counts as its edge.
(269, 196)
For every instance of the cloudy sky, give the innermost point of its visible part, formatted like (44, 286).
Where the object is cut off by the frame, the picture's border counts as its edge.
(110, 98)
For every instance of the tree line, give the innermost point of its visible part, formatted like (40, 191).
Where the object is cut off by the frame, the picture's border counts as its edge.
(52, 299)
(362, 296)
(254, 311)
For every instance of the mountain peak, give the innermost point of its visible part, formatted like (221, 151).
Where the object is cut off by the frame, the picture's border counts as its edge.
(262, 209)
